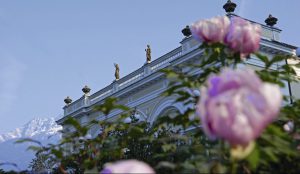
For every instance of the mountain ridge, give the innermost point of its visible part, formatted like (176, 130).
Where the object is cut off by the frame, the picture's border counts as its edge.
(36, 126)
(44, 130)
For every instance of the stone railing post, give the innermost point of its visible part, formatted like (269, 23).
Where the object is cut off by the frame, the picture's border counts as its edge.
(147, 69)
(115, 86)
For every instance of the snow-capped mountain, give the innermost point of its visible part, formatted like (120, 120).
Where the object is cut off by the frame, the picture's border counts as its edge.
(37, 126)
(44, 130)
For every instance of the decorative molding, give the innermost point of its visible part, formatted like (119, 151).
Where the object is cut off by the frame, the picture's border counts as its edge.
(148, 75)
(164, 104)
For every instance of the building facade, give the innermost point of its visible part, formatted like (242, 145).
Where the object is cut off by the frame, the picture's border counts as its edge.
(142, 88)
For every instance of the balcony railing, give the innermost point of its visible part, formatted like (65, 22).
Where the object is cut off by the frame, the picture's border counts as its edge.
(124, 82)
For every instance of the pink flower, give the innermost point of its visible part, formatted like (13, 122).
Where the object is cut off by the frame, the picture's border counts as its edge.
(212, 30)
(127, 166)
(243, 36)
(237, 106)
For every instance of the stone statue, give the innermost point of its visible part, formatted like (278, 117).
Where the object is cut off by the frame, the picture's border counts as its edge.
(148, 53)
(117, 71)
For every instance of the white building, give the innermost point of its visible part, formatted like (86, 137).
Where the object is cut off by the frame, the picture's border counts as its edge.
(142, 88)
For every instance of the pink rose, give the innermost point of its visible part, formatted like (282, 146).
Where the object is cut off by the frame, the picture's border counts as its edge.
(127, 166)
(212, 30)
(243, 36)
(237, 106)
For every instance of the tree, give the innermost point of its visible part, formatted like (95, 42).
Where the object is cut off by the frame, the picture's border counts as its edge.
(41, 163)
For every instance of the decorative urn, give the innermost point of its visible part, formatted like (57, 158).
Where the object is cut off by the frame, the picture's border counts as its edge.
(86, 89)
(229, 7)
(186, 31)
(271, 21)
(68, 100)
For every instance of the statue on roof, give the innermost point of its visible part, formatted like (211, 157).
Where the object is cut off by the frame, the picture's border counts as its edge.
(117, 71)
(148, 53)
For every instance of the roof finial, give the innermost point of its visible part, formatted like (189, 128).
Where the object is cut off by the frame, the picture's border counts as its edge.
(86, 89)
(271, 20)
(68, 100)
(186, 31)
(229, 7)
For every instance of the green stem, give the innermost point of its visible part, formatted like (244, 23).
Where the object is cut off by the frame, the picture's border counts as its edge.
(223, 61)
(233, 167)
(221, 150)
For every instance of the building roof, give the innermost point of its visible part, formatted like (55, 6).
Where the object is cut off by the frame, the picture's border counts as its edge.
(285, 44)
(265, 26)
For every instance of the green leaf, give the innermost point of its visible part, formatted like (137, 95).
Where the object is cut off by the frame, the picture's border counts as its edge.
(168, 147)
(270, 153)
(165, 164)
(263, 58)
(73, 122)
(109, 105)
(122, 107)
(253, 158)
(57, 153)
(277, 58)
(24, 140)
(81, 130)
(35, 148)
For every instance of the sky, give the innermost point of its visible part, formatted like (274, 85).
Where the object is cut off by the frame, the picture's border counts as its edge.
(51, 49)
